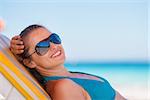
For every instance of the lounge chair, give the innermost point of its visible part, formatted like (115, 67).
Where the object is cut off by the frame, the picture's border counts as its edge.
(16, 83)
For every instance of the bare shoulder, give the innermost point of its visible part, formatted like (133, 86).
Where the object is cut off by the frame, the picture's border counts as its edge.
(119, 96)
(64, 88)
(57, 84)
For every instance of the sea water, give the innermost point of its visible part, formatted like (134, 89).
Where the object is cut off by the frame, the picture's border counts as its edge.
(130, 79)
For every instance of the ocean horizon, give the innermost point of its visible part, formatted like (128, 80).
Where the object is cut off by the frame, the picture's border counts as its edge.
(129, 78)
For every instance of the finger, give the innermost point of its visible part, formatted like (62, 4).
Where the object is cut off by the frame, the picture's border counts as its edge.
(16, 37)
(15, 42)
(17, 47)
(19, 38)
(17, 51)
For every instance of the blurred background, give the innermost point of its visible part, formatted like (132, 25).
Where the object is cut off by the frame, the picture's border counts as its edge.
(108, 38)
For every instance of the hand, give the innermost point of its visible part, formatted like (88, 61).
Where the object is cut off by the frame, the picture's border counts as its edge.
(16, 45)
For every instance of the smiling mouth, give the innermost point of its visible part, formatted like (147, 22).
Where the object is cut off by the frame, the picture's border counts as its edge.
(58, 53)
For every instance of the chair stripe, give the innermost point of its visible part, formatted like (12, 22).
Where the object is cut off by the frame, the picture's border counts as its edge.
(18, 75)
(8, 74)
(16, 71)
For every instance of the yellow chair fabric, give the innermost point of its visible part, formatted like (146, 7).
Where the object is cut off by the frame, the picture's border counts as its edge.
(17, 74)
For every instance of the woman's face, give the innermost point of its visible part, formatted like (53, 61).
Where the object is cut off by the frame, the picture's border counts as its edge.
(55, 55)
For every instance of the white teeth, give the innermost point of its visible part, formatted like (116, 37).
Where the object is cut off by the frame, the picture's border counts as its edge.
(56, 54)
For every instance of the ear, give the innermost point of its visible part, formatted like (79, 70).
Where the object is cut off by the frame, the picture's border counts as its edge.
(29, 63)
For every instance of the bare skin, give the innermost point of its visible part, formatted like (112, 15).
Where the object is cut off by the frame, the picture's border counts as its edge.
(48, 65)
(62, 90)
(17, 46)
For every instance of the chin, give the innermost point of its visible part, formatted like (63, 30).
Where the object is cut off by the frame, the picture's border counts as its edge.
(62, 61)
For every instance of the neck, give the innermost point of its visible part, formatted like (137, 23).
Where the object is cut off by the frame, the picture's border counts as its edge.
(56, 71)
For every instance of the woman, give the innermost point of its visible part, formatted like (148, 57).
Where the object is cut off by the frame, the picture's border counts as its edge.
(38, 48)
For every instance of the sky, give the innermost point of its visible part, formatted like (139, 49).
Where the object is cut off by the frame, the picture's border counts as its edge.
(91, 30)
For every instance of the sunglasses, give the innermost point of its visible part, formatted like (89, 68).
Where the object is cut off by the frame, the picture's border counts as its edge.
(43, 46)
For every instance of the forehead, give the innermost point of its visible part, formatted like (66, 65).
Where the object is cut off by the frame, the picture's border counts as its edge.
(37, 35)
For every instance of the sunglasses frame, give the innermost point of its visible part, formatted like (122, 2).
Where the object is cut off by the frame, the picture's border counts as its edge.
(55, 39)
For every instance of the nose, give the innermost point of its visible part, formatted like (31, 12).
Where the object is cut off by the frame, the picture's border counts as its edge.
(53, 46)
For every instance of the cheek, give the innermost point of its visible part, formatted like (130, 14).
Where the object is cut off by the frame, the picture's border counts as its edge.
(64, 56)
(44, 61)
(40, 61)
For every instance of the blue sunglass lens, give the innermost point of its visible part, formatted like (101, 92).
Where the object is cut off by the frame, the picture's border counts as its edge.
(54, 38)
(43, 46)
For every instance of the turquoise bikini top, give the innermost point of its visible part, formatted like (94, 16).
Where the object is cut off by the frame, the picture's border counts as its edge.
(97, 89)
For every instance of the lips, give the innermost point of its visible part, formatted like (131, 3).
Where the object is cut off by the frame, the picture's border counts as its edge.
(58, 53)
